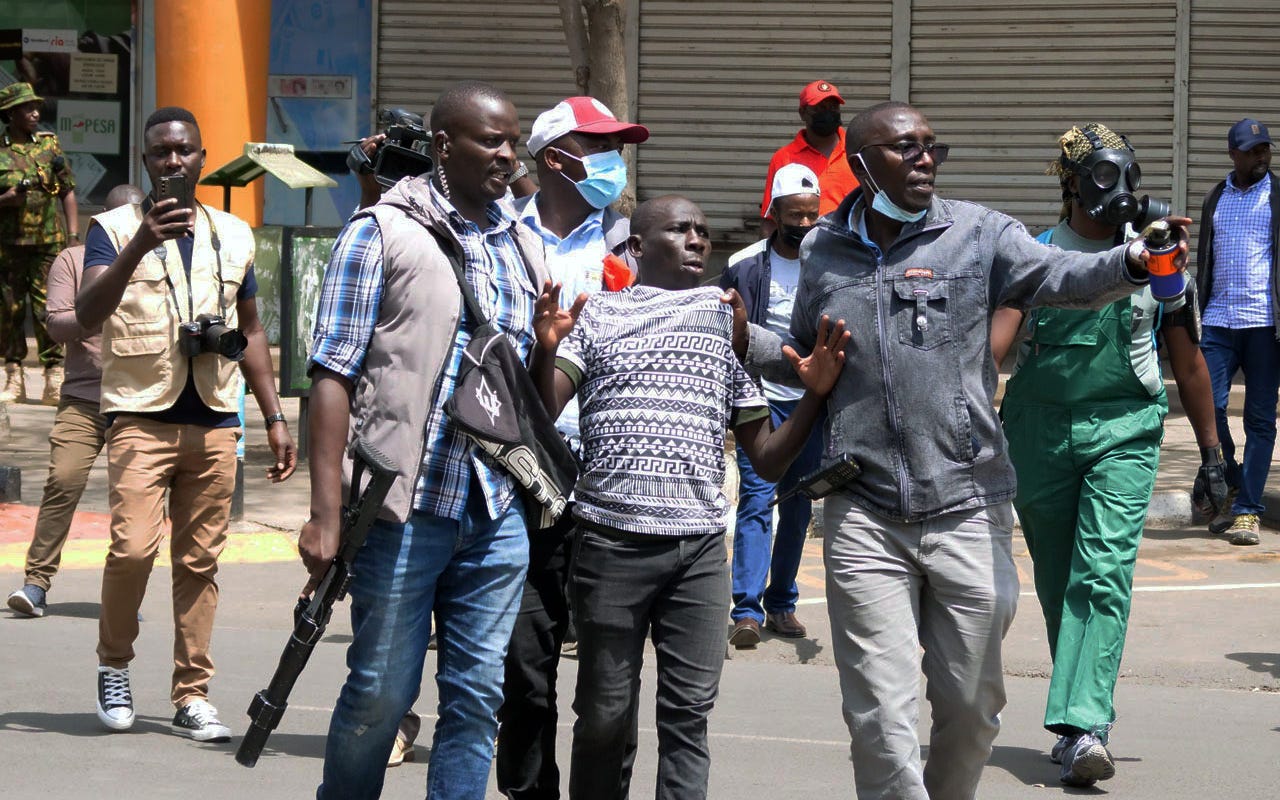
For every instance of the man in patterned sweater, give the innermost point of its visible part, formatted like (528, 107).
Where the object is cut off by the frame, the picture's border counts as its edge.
(658, 383)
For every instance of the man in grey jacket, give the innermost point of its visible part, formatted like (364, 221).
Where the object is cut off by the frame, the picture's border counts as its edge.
(918, 547)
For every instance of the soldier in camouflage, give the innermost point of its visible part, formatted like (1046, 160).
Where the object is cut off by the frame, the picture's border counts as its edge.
(34, 176)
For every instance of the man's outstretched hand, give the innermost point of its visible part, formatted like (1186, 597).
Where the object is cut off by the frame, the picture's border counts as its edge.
(819, 370)
(551, 323)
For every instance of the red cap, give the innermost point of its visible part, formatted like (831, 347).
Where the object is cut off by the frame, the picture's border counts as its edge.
(818, 91)
(581, 115)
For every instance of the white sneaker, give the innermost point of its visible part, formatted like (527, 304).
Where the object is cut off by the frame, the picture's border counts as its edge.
(198, 720)
(115, 698)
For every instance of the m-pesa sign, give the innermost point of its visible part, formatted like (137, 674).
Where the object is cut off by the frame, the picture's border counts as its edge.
(89, 126)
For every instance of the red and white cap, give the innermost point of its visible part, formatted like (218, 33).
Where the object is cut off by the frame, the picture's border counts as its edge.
(581, 115)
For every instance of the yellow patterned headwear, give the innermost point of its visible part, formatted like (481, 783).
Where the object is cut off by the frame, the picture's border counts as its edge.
(1076, 145)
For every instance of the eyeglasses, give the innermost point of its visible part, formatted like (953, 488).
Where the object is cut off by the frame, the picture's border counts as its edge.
(910, 152)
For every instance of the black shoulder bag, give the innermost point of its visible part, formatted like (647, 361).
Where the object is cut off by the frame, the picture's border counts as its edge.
(496, 404)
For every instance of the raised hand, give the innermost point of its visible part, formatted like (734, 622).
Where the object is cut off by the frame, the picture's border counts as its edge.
(819, 370)
(551, 323)
(163, 221)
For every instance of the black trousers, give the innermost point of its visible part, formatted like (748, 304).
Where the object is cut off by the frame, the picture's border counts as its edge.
(526, 759)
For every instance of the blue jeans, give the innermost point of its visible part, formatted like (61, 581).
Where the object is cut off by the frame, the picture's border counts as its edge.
(470, 573)
(752, 564)
(1255, 352)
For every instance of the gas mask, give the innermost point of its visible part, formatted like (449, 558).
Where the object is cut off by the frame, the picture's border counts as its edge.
(1106, 185)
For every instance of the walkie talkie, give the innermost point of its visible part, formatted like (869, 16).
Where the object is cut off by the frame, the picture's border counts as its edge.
(823, 482)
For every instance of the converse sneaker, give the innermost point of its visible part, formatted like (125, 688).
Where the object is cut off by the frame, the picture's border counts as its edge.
(115, 698)
(198, 720)
(1086, 762)
(28, 600)
(1244, 530)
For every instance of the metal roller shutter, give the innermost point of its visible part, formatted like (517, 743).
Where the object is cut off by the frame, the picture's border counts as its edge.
(1000, 80)
(1235, 61)
(719, 84)
(518, 47)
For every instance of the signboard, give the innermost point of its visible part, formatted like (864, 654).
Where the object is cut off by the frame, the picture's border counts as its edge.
(303, 259)
(315, 86)
(94, 73)
(49, 40)
(89, 126)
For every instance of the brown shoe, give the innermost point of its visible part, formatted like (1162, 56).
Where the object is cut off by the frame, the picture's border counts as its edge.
(785, 625)
(746, 634)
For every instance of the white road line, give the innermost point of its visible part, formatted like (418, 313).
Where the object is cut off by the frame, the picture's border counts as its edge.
(1202, 587)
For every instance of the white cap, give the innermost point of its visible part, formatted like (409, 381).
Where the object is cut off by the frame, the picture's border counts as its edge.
(794, 179)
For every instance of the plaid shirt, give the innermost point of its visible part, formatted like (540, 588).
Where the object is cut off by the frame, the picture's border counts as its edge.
(348, 312)
(1240, 296)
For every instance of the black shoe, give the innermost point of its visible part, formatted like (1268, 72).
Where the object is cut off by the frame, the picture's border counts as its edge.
(198, 720)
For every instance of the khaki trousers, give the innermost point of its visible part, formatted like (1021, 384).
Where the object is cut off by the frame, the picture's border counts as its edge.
(78, 434)
(197, 467)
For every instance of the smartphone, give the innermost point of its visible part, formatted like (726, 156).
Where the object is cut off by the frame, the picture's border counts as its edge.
(174, 186)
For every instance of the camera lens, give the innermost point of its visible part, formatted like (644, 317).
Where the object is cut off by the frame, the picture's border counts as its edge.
(224, 341)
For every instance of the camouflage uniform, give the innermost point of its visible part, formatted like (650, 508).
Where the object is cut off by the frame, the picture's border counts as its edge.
(31, 236)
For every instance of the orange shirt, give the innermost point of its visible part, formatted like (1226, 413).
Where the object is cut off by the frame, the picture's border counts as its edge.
(834, 176)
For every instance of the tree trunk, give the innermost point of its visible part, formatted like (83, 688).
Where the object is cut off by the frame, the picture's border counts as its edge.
(607, 71)
(575, 36)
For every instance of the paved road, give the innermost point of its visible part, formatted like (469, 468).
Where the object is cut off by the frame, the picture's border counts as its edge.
(1199, 702)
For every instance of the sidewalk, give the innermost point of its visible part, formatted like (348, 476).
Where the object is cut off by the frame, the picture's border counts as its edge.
(280, 510)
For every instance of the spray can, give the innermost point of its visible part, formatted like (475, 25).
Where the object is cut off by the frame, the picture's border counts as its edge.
(1167, 281)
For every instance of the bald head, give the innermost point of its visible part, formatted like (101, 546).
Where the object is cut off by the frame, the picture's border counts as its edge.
(457, 102)
(670, 242)
(858, 134)
(123, 195)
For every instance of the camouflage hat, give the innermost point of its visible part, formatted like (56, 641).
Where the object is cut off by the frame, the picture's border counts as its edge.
(15, 94)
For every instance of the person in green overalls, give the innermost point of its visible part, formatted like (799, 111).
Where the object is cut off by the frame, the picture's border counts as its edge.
(35, 177)
(1083, 414)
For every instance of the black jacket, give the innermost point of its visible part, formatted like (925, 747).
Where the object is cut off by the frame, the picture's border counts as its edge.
(748, 272)
(1204, 250)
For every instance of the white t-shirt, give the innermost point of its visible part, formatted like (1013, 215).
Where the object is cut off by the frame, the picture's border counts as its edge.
(784, 280)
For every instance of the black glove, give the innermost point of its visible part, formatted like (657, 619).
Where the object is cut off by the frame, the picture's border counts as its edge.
(1209, 493)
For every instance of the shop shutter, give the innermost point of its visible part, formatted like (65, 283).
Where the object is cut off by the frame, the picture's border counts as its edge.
(1000, 80)
(719, 86)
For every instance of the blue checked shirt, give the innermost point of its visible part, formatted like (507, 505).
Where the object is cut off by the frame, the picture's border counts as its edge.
(348, 312)
(1240, 296)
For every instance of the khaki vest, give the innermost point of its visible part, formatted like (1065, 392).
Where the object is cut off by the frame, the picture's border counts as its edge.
(143, 369)
(413, 335)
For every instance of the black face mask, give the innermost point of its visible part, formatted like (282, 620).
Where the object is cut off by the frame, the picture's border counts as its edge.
(793, 235)
(824, 123)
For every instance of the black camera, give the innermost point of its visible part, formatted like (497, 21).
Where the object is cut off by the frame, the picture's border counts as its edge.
(402, 153)
(210, 334)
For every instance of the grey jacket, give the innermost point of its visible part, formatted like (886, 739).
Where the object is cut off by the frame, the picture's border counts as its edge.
(915, 404)
(417, 323)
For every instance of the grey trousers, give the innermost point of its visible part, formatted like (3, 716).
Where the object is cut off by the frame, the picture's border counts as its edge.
(947, 585)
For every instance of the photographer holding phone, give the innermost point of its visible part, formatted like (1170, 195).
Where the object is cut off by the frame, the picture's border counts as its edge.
(171, 283)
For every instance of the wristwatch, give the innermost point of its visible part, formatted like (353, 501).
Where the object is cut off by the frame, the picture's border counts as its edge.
(273, 419)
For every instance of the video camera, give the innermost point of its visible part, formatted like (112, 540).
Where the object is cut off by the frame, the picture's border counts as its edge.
(403, 152)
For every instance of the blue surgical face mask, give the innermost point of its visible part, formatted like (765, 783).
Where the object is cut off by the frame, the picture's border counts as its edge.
(881, 202)
(606, 177)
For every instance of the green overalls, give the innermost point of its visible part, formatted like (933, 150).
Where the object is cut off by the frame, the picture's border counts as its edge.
(1084, 416)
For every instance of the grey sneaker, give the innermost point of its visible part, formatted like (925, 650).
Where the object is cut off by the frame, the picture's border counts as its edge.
(1244, 530)
(1086, 762)
(29, 601)
(115, 698)
(198, 720)
(1064, 742)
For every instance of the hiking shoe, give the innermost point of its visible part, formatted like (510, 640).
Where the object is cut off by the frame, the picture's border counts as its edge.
(53, 378)
(1086, 762)
(115, 698)
(29, 600)
(198, 720)
(1244, 530)
(1064, 742)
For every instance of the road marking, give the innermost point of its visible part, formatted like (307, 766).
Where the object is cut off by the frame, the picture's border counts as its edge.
(267, 547)
(1206, 587)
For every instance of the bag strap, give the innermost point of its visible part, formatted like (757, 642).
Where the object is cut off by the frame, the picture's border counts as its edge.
(477, 316)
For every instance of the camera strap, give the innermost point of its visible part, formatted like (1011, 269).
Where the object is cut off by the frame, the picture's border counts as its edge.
(162, 252)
